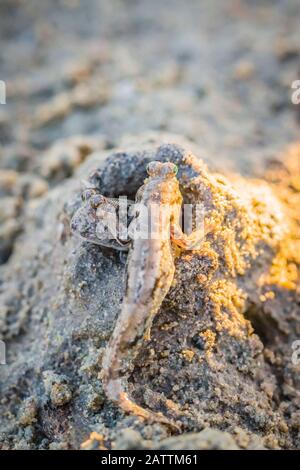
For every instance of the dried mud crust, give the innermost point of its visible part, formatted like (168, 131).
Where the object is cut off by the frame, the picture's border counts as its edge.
(220, 352)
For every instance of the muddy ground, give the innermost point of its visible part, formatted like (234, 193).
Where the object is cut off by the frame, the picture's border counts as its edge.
(84, 81)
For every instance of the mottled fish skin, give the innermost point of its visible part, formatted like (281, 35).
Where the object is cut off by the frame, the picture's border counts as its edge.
(93, 217)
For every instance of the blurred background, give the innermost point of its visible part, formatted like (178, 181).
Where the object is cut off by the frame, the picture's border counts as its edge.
(217, 72)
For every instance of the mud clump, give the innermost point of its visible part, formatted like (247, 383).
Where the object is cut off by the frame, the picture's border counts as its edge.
(219, 358)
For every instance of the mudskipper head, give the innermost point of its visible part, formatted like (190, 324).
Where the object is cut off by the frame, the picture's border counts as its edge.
(96, 220)
(85, 220)
(164, 170)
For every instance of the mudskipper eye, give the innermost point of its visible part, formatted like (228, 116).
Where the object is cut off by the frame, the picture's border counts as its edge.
(153, 167)
(87, 194)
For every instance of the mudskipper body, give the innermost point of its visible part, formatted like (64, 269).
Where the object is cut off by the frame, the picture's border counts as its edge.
(150, 270)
